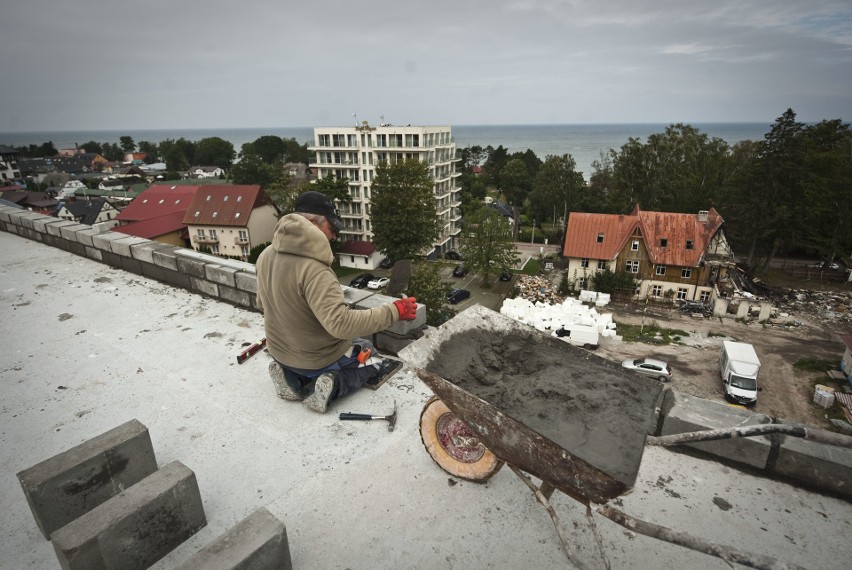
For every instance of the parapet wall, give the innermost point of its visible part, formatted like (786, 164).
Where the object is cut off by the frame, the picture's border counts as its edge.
(226, 280)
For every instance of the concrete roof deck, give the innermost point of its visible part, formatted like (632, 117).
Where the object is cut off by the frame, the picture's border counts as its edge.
(88, 347)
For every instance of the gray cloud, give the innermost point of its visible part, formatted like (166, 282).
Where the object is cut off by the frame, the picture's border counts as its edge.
(87, 64)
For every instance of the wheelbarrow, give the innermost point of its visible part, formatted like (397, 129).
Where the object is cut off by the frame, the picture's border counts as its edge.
(506, 393)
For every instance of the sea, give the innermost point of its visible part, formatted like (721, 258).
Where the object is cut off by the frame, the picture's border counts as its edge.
(584, 142)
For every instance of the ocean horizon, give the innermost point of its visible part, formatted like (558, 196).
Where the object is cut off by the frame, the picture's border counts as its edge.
(584, 142)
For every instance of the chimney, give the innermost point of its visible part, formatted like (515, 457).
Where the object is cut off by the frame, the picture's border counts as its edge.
(703, 215)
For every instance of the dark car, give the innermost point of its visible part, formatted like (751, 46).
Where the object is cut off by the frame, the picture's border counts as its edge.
(460, 271)
(361, 281)
(457, 295)
(454, 255)
(695, 307)
(387, 263)
(506, 275)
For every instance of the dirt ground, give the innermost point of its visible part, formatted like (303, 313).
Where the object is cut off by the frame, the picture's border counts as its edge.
(787, 393)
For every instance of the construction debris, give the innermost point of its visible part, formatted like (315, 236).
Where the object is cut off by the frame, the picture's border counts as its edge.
(538, 289)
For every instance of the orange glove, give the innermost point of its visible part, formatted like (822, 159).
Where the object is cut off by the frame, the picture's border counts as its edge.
(407, 308)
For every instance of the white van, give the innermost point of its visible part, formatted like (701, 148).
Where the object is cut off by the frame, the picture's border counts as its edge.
(738, 366)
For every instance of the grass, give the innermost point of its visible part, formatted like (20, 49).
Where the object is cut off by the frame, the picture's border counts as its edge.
(814, 364)
(650, 334)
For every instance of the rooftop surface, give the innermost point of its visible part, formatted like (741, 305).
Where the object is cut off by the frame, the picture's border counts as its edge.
(87, 347)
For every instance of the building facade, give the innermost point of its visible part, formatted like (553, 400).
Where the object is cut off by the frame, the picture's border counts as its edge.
(354, 153)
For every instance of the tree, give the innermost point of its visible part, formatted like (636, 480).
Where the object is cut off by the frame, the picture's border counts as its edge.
(488, 247)
(151, 152)
(426, 285)
(515, 182)
(556, 189)
(295, 152)
(612, 282)
(269, 148)
(334, 188)
(177, 154)
(93, 147)
(127, 144)
(252, 170)
(402, 206)
(214, 151)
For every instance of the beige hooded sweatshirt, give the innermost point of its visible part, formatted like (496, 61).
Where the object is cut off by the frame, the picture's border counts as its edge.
(308, 324)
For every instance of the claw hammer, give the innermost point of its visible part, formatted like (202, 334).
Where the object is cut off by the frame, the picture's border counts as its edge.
(391, 418)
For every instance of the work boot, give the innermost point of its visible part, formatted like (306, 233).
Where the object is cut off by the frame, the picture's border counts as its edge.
(323, 387)
(285, 391)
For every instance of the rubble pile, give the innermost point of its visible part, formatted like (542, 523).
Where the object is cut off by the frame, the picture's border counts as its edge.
(823, 306)
(538, 289)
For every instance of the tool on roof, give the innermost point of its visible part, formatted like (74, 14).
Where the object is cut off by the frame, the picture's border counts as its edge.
(391, 418)
(250, 351)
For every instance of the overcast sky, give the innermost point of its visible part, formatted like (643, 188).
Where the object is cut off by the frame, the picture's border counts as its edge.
(94, 64)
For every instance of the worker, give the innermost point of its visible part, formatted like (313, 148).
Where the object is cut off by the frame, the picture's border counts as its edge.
(313, 336)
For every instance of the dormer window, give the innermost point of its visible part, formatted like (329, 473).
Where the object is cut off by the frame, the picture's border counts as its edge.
(689, 244)
(664, 242)
(600, 237)
(239, 198)
(208, 197)
(226, 199)
(214, 214)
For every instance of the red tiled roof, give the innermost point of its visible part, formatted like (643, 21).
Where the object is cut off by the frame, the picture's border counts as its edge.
(223, 205)
(581, 238)
(357, 248)
(158, 200)
(154, 227)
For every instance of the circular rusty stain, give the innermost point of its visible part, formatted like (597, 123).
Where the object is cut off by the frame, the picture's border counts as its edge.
(458, 440)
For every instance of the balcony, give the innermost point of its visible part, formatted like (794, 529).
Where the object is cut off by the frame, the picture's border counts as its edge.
(206, 240)
(241, 241)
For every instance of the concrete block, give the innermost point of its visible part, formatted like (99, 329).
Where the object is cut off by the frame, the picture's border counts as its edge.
(401, 328)
(235, 296)
(26, 219)
(166, 258)
(123, 246)
(103, 241)
(144, 252)
(94, 253)
(684, 413)
(742, 310)
(55, 229)
(220, 274)
(85, 236)
(189, 265)
(204, 287)
(137, 527)
(825, 468)
(246, 281)
(70, 232)
(67, 485)
(258, 542)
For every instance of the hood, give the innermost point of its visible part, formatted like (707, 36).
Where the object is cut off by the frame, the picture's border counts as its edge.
(296, 235)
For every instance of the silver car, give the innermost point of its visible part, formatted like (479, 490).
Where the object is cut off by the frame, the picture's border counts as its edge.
(650, 367)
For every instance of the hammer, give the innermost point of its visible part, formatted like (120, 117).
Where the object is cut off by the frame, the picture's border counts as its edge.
(391, 419)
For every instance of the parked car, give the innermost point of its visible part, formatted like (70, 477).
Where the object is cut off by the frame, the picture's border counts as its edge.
(361, 281)
(695, 307)
(650, 367)
(454, 255)
(457, 295)
(387, 263)
(506, 275)
(378, 283)
(460, 271)
(825, 265)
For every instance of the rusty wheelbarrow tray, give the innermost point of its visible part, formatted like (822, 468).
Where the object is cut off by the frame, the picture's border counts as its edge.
(574, 421)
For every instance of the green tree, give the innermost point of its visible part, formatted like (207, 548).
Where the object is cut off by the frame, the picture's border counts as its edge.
(403, 213)
(269, 148)
(557, 189)
(612, 282)
(334, 188)
(295, 152)
(177, 154)
(127, 144)
(214, 151)
(152, 154)
(93, 147)
(488, 247)
(496, 159)
(515, 182)
(425, 284)
(112, 152)
(252, 170)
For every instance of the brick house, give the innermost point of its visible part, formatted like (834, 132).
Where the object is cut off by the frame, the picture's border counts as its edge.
(686, 254)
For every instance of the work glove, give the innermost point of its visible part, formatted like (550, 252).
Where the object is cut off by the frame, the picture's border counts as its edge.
(407, 308)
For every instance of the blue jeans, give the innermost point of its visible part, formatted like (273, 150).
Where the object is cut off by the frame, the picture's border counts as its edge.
(350, 374)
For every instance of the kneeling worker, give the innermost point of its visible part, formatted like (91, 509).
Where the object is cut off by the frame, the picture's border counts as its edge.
(311, 333)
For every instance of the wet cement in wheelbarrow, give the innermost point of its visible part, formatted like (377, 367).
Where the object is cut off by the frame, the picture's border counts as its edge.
(584, 404)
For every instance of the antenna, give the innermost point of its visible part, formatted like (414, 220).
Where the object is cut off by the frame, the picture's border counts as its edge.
(355, 116)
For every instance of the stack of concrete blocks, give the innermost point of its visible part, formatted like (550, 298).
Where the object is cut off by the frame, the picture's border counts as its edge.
(104, 503)
(584, 323)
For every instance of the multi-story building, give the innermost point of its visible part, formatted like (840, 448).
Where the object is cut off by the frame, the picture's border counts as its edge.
(354, 153)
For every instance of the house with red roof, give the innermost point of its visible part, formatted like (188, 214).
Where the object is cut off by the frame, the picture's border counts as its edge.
(157, 214)
(230, 219)
(686, 254)
(360, 254)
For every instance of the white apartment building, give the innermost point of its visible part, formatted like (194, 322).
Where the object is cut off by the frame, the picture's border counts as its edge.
(354, 153)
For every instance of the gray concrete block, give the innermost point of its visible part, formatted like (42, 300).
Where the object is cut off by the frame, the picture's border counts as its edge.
(144, 252)
(400, 328)
(55, 228)
(258, 542)
(166, 258)
(85, 236)
(235, 296)
(137, 527)
(684, 413)
(203, 286)
(189, 265)
(70, 232)
(103, 241)
(67, 485)
(246, 281)
(814, 465)
(220, 274)
(26, 219)
(123, 246)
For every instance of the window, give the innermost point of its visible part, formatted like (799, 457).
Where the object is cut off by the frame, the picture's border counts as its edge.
(704, 296)
(324, 140)
(243, 235)
(634, 246)
(602, 264)
(664, 242)
(214, 249)
(657, 291)
(199, 234)
(689, 244)
(600, 237)
(685, 272)
(244, 250)
(212, 234)
(681, 293)
(661, 270)
(581, 282)
(584, 262)
(632, 266)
